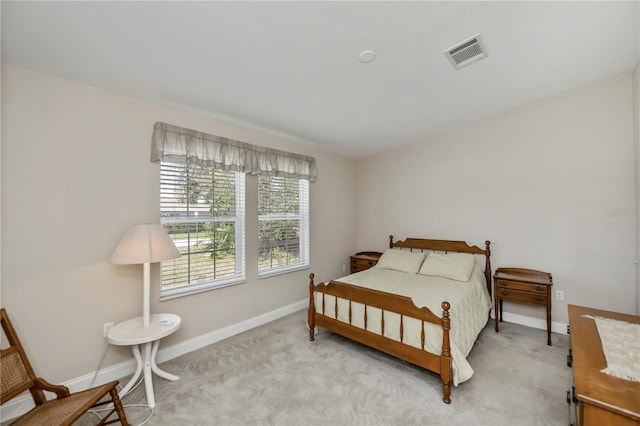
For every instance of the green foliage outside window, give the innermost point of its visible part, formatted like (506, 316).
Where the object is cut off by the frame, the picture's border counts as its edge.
(198, 208)
(279, 222)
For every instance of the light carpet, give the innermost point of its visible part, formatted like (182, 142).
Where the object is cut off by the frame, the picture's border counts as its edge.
(273, 375)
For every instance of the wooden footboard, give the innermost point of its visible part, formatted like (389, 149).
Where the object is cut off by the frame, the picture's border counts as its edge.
(386, 302)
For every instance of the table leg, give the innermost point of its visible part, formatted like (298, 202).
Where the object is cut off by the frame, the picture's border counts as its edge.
(496, 313)
(158, 370)
(148, 378)
(549, 326)
(146, 364)
(138, 356)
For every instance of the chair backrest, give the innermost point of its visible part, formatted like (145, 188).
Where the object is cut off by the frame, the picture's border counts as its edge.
(16, 373)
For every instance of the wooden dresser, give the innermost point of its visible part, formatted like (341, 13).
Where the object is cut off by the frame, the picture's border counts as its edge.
(602, 399)
(364, 260)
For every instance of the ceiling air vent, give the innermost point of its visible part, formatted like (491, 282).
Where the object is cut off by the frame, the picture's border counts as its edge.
(466, 52)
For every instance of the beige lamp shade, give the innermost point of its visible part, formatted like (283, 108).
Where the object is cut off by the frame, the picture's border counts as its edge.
(144, 243)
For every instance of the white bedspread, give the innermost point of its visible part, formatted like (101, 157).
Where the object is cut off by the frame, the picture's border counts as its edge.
(469, 312)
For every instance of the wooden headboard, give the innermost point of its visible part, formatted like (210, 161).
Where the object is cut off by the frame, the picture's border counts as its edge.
(448, 246)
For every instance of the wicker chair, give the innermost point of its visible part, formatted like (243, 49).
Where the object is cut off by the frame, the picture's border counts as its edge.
(18, 376)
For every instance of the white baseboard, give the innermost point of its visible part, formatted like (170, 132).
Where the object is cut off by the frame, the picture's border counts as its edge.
(22, 404)
(556, 327)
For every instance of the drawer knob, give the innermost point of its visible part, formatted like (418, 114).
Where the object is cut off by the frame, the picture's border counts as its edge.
(504, 292)
(539, 288)
(539, 298)
(503, 283)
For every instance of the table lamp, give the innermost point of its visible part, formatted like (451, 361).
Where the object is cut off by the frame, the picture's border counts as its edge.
(145, 244)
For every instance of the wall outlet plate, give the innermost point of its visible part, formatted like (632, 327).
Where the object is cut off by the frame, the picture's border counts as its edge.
(106, 327)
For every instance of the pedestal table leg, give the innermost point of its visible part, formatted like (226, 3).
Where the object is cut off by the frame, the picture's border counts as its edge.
(148, 379)
(158, 370)
(138, 357)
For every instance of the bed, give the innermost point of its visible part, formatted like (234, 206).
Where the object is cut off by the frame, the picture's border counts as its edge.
(394, 306)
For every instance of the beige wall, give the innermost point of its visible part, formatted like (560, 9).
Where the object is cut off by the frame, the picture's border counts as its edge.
(636, 122)
(551, 185)
(75, 174)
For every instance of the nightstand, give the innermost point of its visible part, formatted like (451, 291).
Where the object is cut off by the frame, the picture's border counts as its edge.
(523, 286)
(364, 260)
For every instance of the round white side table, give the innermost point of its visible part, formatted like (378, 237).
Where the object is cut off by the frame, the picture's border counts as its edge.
(133, 333)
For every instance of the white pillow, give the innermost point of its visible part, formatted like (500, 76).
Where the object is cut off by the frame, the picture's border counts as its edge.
(401, 260)
(455, 266)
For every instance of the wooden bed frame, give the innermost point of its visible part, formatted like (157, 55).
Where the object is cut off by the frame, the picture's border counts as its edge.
(402, 305)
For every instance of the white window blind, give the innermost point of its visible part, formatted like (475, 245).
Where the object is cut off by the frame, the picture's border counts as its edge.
(283, 224)
(203, 210)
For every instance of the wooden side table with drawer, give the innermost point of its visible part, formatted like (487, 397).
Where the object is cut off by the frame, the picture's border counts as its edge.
(364, 260)
(523, 286)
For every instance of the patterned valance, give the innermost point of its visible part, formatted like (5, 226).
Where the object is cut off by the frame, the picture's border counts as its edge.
(175, 144)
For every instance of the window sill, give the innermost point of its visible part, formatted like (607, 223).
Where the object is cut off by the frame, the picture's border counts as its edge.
(284, 270)
(198, 288)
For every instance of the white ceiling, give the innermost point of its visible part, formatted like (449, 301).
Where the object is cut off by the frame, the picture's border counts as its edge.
(293, 68)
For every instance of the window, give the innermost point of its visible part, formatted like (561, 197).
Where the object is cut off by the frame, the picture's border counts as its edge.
(283, 224)
(202, 190)
(202, 209)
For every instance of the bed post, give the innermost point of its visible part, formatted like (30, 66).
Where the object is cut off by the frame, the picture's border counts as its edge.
(445, 359)
(487, 266)
(312, 309)
(390, 241)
